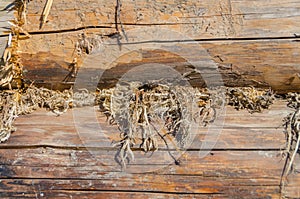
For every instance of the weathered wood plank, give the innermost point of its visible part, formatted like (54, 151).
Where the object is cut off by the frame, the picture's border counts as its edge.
(34, 193)
(240, 129)
(269, 63)
(227, 173)
(49, 53)
(292, 188)
(241, 138)
(197, 19)
(79, 163)
(42, 187)
(232, 118)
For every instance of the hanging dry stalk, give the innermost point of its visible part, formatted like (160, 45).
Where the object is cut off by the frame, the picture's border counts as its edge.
(6, 75)
(119, 22)
(292, 130)
(250, 98)
(104, 101)
(12, 68)
(11, 71)
(45, 13)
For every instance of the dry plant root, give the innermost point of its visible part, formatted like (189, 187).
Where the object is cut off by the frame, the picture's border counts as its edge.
(154, 112)
(292, 130)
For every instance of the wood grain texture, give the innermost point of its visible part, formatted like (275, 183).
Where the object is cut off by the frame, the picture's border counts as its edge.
(293, 180)
(270, 63)
(103, 194)
(226, 173)
(252, 42)
(46, 156)
(244, 134)
(197, 19)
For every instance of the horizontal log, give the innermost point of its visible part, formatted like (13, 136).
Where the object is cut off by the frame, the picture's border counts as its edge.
(48, 54)
(270, 63)
(197, 19)
(240, 129)
(100, 194)
(269, 118)
(210, 175)
(47, 162)
(231, 138)
(54, 153)
(41, 188)
(51, 151)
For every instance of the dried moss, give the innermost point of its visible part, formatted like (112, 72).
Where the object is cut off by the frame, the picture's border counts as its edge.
(250, 98)
(20, 102)
(146, 113)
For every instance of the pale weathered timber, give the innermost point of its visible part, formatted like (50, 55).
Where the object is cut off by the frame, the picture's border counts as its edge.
(197, 19)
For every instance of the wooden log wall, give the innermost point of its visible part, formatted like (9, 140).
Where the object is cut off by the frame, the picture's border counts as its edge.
(46, 157)
(252, 42)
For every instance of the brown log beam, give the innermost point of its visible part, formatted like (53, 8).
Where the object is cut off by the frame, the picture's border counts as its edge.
(259, 63)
